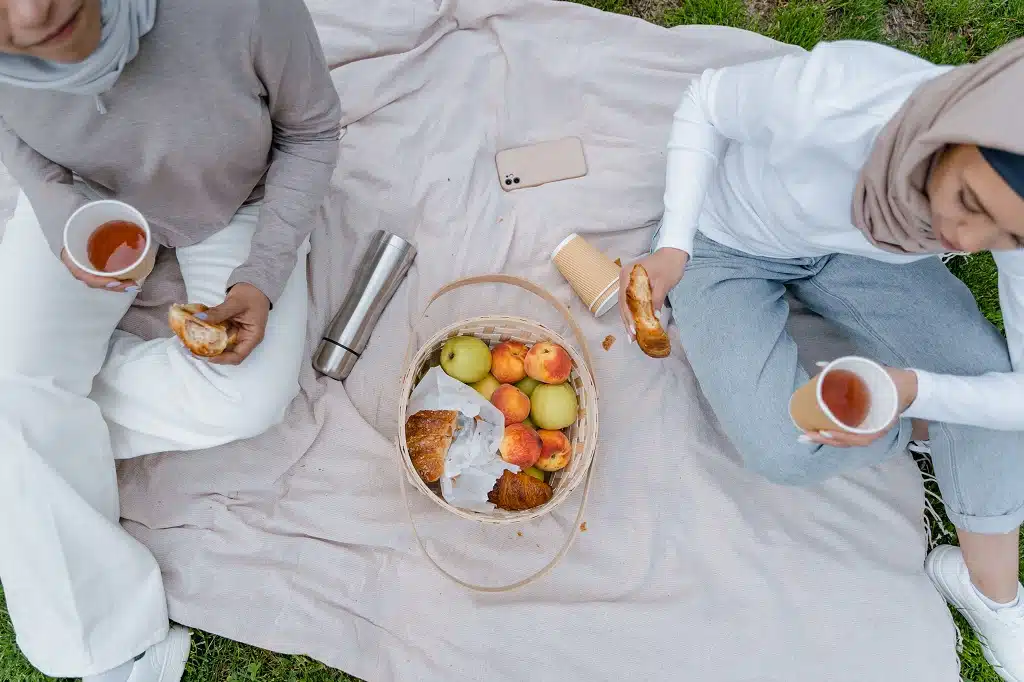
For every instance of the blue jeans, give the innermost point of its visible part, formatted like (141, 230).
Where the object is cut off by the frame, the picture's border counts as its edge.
(731, 312)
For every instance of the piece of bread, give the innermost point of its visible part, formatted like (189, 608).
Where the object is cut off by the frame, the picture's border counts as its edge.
(202, 338)
(428, 435)
(519, 492)
(650, 335)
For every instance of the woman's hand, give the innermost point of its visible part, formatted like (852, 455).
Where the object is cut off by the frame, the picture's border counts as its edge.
(906, 389)
(248, 309)
(664, 268)
(95, 282)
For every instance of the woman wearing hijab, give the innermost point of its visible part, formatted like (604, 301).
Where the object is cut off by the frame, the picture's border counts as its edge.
(219, 122)
(839, 174)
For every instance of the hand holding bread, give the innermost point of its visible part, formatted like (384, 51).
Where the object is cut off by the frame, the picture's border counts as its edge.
(650, 335)
(225, 334)
(202, 338)
(658, 274)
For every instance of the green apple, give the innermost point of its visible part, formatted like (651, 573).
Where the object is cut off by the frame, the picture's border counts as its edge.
(554, 406)
(466, 358)
(527, 385)
(529, 422)
(487, 386)
(535, 472)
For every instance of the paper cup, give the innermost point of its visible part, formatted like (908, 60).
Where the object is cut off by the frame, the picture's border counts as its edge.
(810, 413)
(591, 274)
(84, 222)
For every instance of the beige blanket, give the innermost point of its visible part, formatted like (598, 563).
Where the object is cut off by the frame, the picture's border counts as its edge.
(690, 568)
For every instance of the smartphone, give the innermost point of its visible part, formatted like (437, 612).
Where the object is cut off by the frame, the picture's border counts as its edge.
(541, 163)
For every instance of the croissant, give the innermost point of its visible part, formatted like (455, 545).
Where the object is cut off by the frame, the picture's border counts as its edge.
(202, 338)
(428, 435)
(519, 492)
(650, 335)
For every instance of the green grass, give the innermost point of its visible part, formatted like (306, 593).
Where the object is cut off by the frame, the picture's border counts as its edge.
(947, 31)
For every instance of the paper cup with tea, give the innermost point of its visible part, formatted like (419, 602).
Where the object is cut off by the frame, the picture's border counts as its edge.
(851, 394)
(110, 239)
(591, 274)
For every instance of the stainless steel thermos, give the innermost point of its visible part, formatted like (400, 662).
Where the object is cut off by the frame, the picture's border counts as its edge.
(383, 267)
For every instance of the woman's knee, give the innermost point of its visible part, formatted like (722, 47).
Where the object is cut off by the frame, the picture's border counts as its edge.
(257, 407)
(789, 466)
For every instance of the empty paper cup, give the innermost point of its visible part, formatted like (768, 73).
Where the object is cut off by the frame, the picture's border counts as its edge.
(850, 394)
(116, 234)
(591, 274)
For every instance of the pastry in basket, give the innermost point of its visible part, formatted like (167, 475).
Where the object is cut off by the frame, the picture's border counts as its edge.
(202, 338)
(428, 435)
(650, 335)
(519, 492)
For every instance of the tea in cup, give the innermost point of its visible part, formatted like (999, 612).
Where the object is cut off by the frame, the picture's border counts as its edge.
(109, 238)
(851, 394)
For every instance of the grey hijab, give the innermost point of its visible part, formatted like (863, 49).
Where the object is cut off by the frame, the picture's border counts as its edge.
(124, 24)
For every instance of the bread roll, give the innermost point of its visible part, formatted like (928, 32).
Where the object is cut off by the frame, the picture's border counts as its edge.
(428, 435)
(519, 492)
(650, 335)
(202, 338)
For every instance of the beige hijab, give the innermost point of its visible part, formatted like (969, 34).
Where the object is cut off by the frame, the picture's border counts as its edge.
(980, 103)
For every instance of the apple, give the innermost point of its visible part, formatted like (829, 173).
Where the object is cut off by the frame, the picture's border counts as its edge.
(466, 358)
(486, 386)
(555, 451)
(520, 446)
(527, 385)
(512, 402)
(507, 361)
(548, 363)
(554, 406)
(535, 472)
(529, 422)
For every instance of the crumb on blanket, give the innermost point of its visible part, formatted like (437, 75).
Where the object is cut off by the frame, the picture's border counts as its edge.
(618, 261)
(583, 527)
(608, 342)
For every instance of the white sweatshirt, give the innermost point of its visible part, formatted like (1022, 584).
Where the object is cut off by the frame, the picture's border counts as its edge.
(764, 157)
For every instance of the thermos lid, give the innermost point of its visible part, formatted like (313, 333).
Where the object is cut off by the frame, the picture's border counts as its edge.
(333, 360)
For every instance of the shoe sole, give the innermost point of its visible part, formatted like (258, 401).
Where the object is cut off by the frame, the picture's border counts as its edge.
(947, 593)
(177, 654)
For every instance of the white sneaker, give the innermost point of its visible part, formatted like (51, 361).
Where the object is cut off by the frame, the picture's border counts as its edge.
(162, 662)
(1001, 633)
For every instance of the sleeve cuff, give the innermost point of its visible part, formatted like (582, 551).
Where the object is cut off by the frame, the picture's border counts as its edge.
(670, 235)
(923, 405)
(271, 285)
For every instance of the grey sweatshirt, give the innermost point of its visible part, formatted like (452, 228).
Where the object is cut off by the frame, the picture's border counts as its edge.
(228, 102)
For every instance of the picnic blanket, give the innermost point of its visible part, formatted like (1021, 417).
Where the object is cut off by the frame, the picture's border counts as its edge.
(690, 567)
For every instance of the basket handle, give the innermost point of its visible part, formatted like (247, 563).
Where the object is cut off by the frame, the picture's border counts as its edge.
(522, 284)
(587, 358)
(497, 589)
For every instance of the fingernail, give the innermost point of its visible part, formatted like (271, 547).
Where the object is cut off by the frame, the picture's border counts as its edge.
(825, 434)
(131, 290)
(657, 314)
(821, 364)
(113, 285)
(201, 316)
(804, 439)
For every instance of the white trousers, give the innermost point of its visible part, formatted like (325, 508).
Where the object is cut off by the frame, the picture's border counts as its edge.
(75, 395)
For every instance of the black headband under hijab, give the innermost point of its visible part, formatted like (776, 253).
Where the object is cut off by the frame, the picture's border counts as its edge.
(1010, 167)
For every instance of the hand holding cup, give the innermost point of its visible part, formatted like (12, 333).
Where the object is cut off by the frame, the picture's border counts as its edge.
(108, 245)
(852, 402)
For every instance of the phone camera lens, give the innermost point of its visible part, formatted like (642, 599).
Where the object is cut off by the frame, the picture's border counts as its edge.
(507, 181)
(516, 180)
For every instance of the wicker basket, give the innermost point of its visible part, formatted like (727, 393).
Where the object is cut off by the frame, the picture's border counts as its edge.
(582, 434)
